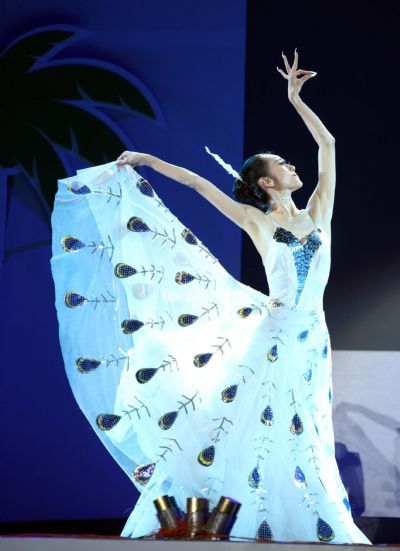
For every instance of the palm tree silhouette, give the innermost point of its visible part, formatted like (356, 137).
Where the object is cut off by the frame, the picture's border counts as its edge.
(53, 111)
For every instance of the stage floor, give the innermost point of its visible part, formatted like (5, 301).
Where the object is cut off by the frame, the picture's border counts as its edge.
(87, 543)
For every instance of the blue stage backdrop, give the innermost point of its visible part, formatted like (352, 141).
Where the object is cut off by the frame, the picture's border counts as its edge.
(81, 83)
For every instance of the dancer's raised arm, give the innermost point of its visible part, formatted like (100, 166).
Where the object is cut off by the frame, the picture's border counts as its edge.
(321, 201)
(237, 212)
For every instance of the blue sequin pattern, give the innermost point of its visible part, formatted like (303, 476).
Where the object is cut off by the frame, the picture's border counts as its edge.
(302, 254)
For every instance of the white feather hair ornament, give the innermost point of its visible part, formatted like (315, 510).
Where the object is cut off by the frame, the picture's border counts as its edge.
(225, 165)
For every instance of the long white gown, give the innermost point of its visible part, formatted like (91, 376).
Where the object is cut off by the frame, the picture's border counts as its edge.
(197, 384)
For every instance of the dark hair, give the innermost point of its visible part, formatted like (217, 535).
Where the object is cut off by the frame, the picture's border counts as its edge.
(248, 191)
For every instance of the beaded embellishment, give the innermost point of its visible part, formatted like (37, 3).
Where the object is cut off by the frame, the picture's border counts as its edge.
(107, 421)
(255, 477)
(299, 478)
(296, 426)
(302, 253)
(267, 416)
(167, 420)
(264, 532)
(229, 393)
(272, 354)
(324, 531)
(87, 365)
(206, 456)
(143, 473)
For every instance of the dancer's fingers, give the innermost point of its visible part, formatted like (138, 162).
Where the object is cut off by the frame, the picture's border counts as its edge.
(296, 59)
(122, 159)
(282, 73)
(306, 77)
(303, 71)
(288, 68)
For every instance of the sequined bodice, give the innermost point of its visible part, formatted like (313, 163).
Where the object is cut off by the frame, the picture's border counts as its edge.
(297, 272)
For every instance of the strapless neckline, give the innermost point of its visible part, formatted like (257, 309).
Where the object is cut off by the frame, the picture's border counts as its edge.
(303, 244)
(305, 239)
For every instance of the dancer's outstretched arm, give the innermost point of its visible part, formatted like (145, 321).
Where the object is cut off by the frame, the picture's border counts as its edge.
(239, 213)
(321, 201)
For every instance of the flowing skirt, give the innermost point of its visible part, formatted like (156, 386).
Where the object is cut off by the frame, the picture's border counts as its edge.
(197, 384)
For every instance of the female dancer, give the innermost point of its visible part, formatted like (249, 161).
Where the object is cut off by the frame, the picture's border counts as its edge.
(267, 180)
(197, 384)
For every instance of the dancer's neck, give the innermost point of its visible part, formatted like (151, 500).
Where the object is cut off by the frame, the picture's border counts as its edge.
(283, 207)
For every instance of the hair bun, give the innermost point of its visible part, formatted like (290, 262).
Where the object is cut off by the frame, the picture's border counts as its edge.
(246, 190)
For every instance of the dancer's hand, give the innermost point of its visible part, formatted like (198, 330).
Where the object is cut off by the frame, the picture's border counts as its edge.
(132, 158)
(294, 83)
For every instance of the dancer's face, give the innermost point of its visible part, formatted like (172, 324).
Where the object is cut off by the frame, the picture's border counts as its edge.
(283, 174)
